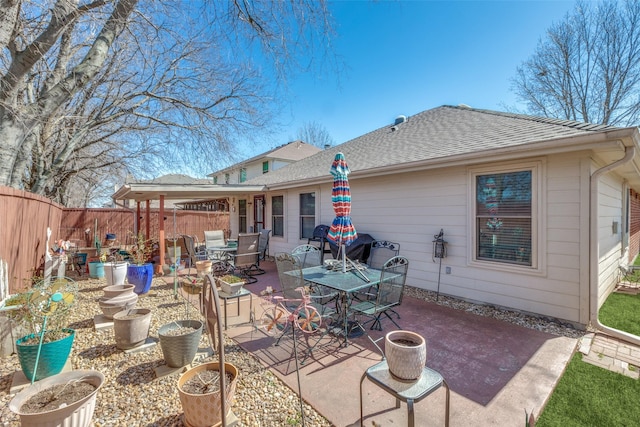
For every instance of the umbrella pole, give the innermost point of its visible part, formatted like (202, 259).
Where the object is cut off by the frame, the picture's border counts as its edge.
(344, 258)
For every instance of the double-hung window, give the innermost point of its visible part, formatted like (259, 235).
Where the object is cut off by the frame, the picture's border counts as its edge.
(277, 216)
(505, 215)
(243, 174)
(307, 214)
(242, 215)
(265, 166)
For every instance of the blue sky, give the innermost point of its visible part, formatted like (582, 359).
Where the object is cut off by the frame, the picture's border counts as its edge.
(404, 57)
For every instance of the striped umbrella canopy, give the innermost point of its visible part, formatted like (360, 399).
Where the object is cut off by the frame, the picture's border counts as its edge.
(342, 231)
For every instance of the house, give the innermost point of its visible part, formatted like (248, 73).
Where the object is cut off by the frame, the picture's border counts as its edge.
(264, 163)
(536, 212)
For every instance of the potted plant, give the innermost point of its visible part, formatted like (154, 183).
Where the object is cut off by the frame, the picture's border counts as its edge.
(67, 399)
(140, 271)
(406, 354)
(43, 311)
(230, 283)
(200, 393)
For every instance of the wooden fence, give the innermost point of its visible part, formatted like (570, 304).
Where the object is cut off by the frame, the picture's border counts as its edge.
(25, 218)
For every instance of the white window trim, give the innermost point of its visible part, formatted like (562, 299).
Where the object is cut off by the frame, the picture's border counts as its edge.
(284, 214)
(538, 218)
(315, 213)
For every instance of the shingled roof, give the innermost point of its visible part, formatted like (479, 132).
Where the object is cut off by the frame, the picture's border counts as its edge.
(434, 134)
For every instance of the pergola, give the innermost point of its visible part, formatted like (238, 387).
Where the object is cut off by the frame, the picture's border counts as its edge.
(146, 192)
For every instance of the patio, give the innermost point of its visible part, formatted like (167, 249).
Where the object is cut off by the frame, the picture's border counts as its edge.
(496, 370)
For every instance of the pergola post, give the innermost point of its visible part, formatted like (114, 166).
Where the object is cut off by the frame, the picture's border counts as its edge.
(161, 235)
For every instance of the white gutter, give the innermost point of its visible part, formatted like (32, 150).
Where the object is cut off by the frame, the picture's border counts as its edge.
(593, 249)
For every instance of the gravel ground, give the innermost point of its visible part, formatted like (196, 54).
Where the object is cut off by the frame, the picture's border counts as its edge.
(133, 396)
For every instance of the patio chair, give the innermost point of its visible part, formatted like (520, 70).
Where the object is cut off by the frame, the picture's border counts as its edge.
(246, 256)
(311, 256)
(263, 247)
(388, 295)
(263, 243)
(191, 247)
(214, 239)
(320, 235)
(291, 278)
(630, 274)
(381, 252)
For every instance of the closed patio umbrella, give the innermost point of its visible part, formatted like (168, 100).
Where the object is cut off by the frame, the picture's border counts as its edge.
(342, 231)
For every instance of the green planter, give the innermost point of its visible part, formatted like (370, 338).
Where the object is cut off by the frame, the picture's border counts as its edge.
(53, 355)
(96, 269)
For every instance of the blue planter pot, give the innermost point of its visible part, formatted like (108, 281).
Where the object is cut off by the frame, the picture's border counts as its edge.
(53, 355)
(140, 276)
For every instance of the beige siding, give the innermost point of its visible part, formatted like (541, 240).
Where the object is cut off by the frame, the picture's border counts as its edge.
(410, 208)
(610, 252)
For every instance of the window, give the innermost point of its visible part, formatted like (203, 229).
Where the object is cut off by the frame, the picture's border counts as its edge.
(242, 216)
(243, 174)
(226, 178)
(277, 216)
(215, 179)
(503, 217)
(307, 214)
(265, 167)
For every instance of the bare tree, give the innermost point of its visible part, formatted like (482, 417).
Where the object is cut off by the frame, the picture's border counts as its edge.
(587, 68)
(93, 90)
(315, 134)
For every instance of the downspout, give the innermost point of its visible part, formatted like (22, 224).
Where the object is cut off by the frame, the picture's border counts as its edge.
(593, 249)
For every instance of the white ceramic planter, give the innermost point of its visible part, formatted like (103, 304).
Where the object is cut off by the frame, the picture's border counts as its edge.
(78, 414)
(115, 272)
(406, 354)
(230, 288)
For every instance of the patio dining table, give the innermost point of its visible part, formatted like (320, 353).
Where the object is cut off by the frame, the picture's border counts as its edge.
(346, 284)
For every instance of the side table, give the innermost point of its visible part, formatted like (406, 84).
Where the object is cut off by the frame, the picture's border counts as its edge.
(407, 391)
(226, 297)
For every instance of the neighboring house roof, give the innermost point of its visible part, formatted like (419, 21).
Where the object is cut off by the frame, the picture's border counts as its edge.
(434, 135)
(175, 179)
(291, 151)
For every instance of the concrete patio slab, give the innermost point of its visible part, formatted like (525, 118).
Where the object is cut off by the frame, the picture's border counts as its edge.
(496, 370)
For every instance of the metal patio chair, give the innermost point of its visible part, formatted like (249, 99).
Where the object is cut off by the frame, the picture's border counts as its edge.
(388, 294)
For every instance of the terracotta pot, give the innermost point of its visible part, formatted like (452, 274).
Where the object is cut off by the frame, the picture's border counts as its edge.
(131, 327)
(202, 410)
(203, 268)
(77, 414)
(406, 354)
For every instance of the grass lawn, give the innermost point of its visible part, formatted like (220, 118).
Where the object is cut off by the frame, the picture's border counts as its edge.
(591, 396)
(587, 395)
